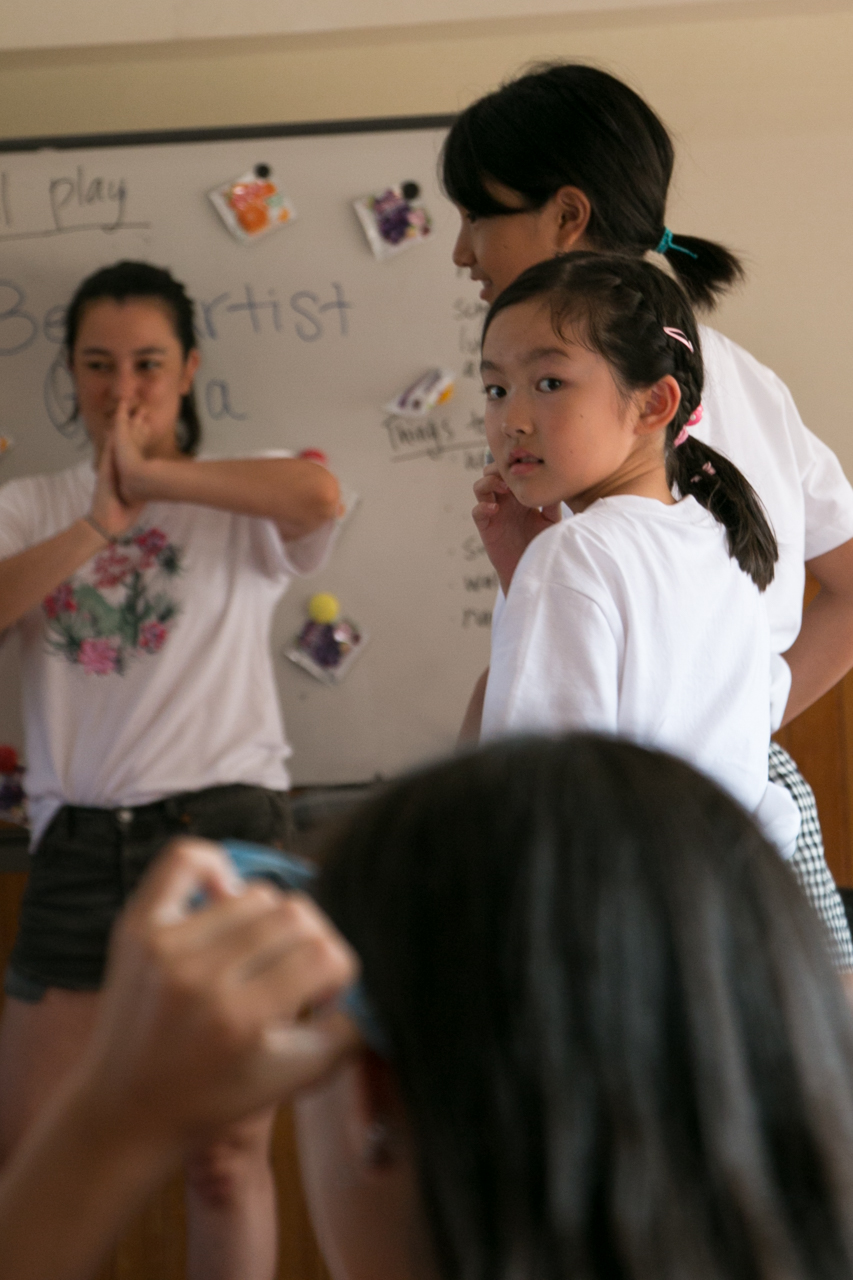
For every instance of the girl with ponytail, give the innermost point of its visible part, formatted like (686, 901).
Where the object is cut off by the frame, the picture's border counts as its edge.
(643, 614)
(568, 158)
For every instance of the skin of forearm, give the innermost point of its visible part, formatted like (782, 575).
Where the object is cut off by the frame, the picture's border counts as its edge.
(68, 1192)
(298, 495)
(26, 578)
(822, 652)
(472, 721)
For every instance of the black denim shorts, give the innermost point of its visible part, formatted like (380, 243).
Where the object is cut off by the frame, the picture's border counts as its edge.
(90, 860)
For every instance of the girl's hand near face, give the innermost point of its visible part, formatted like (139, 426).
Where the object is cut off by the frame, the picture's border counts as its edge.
(206, 1017)
(505, 526)
(113, 513)
(133, 443)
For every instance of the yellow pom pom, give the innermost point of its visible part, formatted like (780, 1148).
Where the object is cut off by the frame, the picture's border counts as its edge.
(323, 607)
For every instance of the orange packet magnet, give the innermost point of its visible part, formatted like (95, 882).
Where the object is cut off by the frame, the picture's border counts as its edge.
(252, 204)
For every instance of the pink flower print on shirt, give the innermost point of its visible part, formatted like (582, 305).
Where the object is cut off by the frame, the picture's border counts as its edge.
(111, 568)
(151, 543)
(119, 606)
(99, 657)
(152, 637)
(60, 601)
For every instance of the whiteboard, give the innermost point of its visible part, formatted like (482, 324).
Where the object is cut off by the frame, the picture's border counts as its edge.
(304, 336)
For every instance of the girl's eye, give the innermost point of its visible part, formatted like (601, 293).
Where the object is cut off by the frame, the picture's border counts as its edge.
(494, 392)
(146, 366)
(96, 366)
(549, 384)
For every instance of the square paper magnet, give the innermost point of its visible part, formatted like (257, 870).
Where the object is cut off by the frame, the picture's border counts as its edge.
(394, 219)
(252, 205)
(432, 389)
(328, 644)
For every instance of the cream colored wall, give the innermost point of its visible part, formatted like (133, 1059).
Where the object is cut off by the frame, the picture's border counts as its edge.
(758, 96)
(44, 24)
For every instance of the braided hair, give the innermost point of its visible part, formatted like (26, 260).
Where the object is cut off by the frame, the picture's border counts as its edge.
(566, 124)
(628, 310)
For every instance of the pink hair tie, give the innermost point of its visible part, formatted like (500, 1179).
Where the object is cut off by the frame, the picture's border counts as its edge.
(679, 337)
(696, 416)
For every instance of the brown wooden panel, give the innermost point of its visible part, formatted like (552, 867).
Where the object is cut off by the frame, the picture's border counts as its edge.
(11, 889)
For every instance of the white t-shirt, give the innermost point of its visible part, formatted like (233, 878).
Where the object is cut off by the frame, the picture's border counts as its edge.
(631, 618)
(148, 672)
(750, 416)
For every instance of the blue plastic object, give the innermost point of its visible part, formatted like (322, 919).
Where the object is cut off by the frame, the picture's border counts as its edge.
(286, 872)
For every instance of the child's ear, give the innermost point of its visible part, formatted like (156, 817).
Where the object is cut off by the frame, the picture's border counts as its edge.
(658, 405)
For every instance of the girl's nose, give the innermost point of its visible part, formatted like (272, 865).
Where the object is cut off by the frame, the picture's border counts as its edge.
(515, 416)
(462, 253)
(124, 384)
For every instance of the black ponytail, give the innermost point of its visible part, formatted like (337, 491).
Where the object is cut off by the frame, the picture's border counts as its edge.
(640, 321)
(573, 125)
(697, 469)
(704, 269)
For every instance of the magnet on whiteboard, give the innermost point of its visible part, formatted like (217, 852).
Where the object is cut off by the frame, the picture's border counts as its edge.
(6, 443)
(253, 204)
(394, 219)
(433, 388)
(328, 644)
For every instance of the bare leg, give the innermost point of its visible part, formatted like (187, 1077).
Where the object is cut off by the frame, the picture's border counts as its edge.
(39, 1044)
(231, 1217)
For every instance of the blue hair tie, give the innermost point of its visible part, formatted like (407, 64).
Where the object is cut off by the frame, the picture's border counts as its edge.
(258, 862)
(667, 243)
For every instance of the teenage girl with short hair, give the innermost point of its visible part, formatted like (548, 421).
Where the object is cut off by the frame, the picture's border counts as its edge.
(568, 157)
(641, 615)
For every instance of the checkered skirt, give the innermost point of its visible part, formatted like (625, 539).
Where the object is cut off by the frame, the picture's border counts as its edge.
(809, 861)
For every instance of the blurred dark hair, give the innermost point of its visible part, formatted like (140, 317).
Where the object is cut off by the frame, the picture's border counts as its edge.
(128, 280)
(565, 124)
(621, 1045)
(622, 308)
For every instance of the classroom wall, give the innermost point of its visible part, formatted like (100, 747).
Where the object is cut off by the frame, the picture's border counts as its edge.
(42, 24)
(757, 95)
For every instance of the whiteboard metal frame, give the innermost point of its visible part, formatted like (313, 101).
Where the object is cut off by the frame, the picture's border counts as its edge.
(231, 133)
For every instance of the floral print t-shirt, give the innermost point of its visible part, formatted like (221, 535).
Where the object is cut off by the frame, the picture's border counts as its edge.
(148, 672)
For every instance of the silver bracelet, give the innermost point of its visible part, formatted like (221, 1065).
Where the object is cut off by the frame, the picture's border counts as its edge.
(99, 528)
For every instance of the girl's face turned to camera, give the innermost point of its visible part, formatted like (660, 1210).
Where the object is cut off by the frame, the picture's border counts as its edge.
(558, 426)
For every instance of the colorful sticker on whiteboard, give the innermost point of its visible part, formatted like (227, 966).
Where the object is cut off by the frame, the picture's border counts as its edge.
(328, 644)
(432, 389)
(394, 219)
(253, 204)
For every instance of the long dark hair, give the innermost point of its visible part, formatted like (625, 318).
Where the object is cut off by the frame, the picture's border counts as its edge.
(623, 307)
(621, 1045)
(125, 280)
(565, 124)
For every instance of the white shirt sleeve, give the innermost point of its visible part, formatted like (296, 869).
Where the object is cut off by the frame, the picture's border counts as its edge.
(17, 531)
(555, 663)
(827, 493)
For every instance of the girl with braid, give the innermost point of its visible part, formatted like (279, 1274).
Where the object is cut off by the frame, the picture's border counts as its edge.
(567, 157)
(642, 615)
